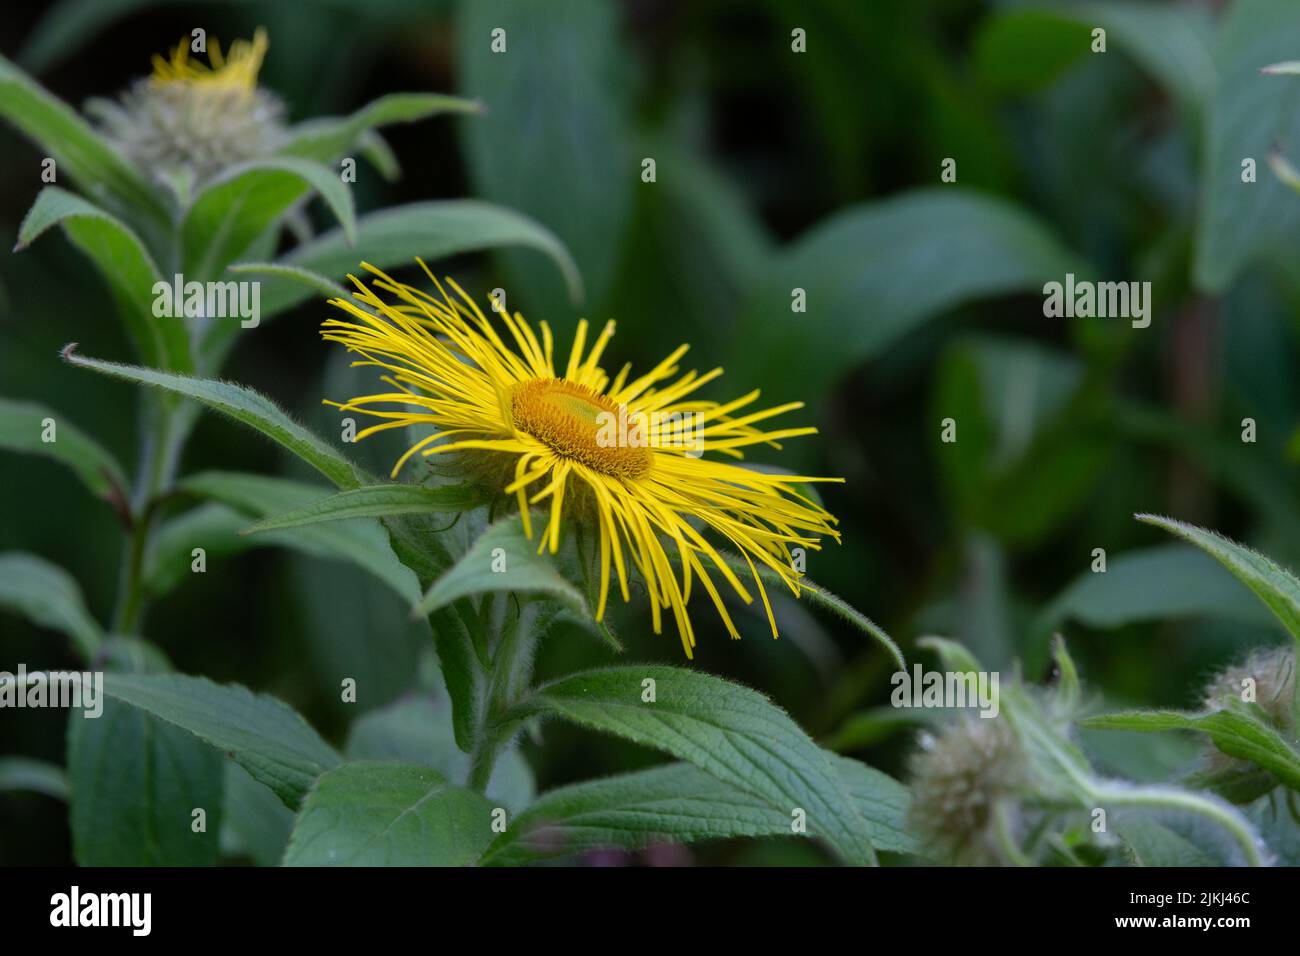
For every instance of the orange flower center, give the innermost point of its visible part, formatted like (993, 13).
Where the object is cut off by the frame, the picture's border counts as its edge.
(579, 424)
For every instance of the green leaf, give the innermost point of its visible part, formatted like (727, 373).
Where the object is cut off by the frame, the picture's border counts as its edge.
(1152, 584)
(327, 138)
(359, 540)
(680, 803)
(1249, 112)
(100, 170)
(475, 572)
(1279, 830)
(1238, 732)
(414, 549)
(218, 529)
(19, 774)
(731, 732)
(332, 606)
(47, 595)
(1023, 48)
(291, 275)
(256, 823)
(135, 781)
(125, 264)
(954, 656)
(1151, 843)
(554, 141)
(389, 814)
(882, 803)
(1276, 587)
(263, 735)
(244, 405)
(380, 155)
(376, 501)
(213, 527)
(818, 596)
(246, 200)
(21, 429)
(418, 730)
(870, 277)
(393, 238)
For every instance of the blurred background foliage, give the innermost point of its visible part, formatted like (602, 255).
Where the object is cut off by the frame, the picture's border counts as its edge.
(775, 170)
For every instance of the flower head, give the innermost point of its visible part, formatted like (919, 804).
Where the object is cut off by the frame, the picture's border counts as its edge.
(196, 117)
(1269, 673)
(962, 780)
(1267, 678)
(624, 455)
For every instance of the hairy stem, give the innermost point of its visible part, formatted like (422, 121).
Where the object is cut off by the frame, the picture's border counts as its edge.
(1153, 796)
(162, 436)
(495, 729)
(1156, 797)
(1006, 838)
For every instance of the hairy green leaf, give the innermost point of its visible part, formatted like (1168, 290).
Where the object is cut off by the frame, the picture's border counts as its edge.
(245, 406)
(679, 803)
(503, 559)
(290, 275)
(93, 164)
(245, 200)
(1238, 732)
(262, 734)
(731, 732)
(359, 539)
(125, 264)
(389, 814)
(376, 501)
(418, 730)
(327, 138)
(393, 238)
(1276, 587)
(135, 781)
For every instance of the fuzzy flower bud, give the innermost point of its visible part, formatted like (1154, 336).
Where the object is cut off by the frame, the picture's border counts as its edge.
(962, 780)
(190, 118)
(1266, 678)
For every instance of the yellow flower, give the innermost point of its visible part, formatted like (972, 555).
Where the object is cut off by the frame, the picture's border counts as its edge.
(624, 454)
(237, 71)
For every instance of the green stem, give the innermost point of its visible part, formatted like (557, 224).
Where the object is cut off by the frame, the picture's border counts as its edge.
(1154, 796)
(483, 761)
(1172, 798)
(131, 588)
(1006, 838)
(161, 436)
(495, 727)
